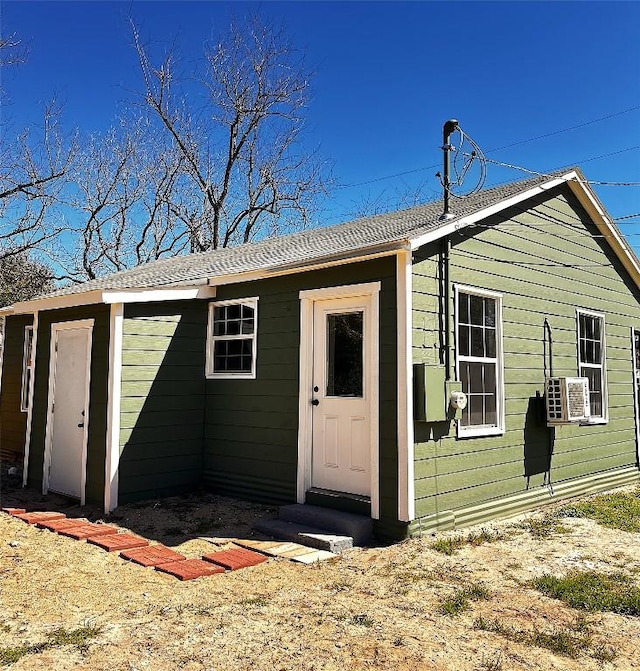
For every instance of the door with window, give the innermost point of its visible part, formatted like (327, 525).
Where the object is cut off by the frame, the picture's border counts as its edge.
(66, 441)
(343, 388)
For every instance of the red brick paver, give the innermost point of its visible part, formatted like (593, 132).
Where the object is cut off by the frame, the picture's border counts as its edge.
(190, 569)
(235, 558)
(14, 511)
(154, 555)
(34, 518)
(58, 525)
(115, 542)
(88, 530)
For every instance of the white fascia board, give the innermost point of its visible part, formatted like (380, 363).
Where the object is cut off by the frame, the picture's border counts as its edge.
(110, 297)
(360, 255)
(463, 222)
(588, 199)
(157, 295)
(57, 302)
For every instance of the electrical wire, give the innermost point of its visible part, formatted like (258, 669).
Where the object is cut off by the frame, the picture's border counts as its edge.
(582, 181)
(508, 146)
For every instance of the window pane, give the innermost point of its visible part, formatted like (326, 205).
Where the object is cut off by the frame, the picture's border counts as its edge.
(234, 311)
(477, 310)
(463, 306)
(477, 344)
(344, 354)
(464, 337)
(489, 312)
(490, 412)
(490, 343)
(232, 356)
(479, 383)
(475, 378)
(475, 411)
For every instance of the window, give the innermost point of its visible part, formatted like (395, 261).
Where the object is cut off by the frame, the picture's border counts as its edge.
(591, 360)
(27, 368)
(231, 346)
(479, 361)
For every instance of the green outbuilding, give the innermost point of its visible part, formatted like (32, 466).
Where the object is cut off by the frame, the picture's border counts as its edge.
(430, 372)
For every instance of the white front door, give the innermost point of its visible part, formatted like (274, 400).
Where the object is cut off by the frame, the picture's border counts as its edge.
(635, 349)
(67, 418)
(342, 393)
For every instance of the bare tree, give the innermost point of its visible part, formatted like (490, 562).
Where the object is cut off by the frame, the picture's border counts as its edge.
(120, 203)
(34, 167)
(34, 163)
(244, 175)
(22, 278)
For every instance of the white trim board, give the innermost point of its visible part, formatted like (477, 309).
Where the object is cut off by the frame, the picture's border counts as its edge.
(27, 436)
(112, 461)
(404, 311)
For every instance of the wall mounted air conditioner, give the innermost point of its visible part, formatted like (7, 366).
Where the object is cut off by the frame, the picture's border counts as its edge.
(567, 400)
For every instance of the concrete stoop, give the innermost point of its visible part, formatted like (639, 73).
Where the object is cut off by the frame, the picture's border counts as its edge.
(316, 527)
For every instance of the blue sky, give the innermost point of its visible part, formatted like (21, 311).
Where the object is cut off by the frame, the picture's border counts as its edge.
(387, 76)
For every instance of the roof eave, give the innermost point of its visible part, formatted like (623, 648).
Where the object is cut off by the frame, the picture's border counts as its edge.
(317, 263)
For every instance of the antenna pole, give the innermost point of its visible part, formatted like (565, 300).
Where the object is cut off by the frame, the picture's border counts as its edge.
(449, 127)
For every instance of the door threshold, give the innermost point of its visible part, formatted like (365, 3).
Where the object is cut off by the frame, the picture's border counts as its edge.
(345, 501)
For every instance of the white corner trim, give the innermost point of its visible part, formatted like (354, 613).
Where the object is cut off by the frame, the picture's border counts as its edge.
(152, 295)
(404, 303)
(112, 461)
(27, 437)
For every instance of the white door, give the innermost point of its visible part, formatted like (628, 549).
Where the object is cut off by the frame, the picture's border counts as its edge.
(342, 395)
(65, 452)
(635, 345)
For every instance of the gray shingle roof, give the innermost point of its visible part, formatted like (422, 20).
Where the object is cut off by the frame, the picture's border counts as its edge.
(303, 247)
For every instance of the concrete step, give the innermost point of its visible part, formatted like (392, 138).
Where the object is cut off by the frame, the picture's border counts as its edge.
(304, 534)
(330, 521)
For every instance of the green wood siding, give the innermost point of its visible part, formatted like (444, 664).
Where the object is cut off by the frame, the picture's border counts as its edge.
(162, 400)
(98, 392)
(13, 422)
(546, 262)
(251, 434)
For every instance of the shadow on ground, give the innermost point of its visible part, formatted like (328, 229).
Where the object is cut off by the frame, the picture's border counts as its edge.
(171, 521)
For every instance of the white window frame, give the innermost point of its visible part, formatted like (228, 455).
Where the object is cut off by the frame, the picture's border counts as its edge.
(27, 367)
(498, 429)
(604, 418)
(211, 339)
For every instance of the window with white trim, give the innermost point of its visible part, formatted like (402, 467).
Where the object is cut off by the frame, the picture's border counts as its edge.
(479, 364)
(591, 360)
(231, 342)
(27, 369)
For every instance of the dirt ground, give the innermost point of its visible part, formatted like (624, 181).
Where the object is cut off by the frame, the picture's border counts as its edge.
(371, 608)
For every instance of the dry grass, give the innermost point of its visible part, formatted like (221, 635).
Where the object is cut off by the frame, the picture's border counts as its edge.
(371, 608)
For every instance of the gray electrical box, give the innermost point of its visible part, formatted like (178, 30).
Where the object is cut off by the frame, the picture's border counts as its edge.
(430, 402)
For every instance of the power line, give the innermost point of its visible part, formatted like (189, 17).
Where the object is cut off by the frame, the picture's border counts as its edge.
(513, 144)
(583, 181)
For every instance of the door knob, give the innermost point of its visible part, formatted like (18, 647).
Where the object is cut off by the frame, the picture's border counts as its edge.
(315, 402)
